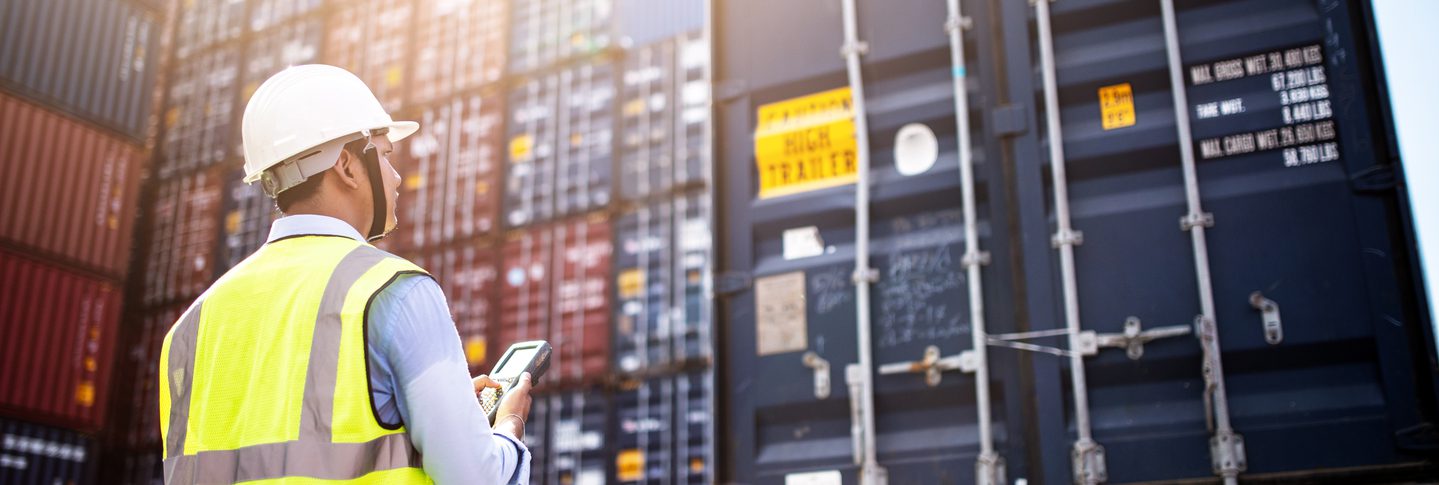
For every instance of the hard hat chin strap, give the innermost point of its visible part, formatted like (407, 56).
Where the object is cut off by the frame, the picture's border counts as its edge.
(371, 157)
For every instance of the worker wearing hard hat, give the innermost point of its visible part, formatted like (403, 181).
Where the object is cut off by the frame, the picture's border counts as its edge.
(320, 356)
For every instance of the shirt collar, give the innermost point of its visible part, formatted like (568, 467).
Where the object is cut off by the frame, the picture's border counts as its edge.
(311, 224)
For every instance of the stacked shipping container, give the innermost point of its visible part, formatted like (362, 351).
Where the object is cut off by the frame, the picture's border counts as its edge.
(507, 197)
(77, 93)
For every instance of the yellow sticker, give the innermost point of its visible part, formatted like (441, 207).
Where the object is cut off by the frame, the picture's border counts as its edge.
(521, 147)
(85, 394)
(414, 182)
(630, 465)
(634, 107)
(631, 283)
(697, 465)
(232, 222)
(475, 350)
(393, 76)
(805, 143)
(1116, 106)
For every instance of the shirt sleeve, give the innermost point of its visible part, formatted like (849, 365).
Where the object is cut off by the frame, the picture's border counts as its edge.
(419, 375)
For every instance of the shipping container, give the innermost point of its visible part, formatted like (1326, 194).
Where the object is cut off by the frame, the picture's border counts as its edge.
(451, 170)
(201, 123)
(141, 468)
(546, 32)
(537, 428)
(585, 163)
(663, 111)
(663, 430)
(205, 23)
(184, 237)
(1299, 211)
(561, 141)
(580, 311)
(579, 437)
(372, 38)
(269, 13)
(469, 275)
(31, 454)
(95, 59)
(694, 461)
(525, 295)
(140, 400)
(58, 338)
(643, 22)
(661, 310)
(69, 191)
(532, 131)
(459, 45)
(271, 51)
(248, 214)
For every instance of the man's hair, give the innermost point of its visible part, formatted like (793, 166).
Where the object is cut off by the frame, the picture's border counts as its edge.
(310, 186)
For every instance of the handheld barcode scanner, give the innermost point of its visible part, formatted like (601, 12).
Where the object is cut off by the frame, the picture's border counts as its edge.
(532, 357)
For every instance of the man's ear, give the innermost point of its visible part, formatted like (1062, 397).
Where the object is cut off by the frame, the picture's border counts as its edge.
(348, 167)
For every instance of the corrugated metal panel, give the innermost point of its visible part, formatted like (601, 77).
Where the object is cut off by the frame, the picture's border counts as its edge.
(269, 52)
(585, 164)
(69, 190)
(579, 434)
(694, 428)
(533, 130)
(459, 44)
(204, 23)
(662, 117)
(248, 213)
(644, 444)
(97, 59)
(201, 123)
(58, 335)
(641, 22)
(1291, 165)
(661, 311)
(525, 294)
(469, 276)
(269, 13)
(31, 454)
(372, 38)
(537, 438)
(580, 318)
(452, 173)
(544, 32)
(184, 237)
(141, 398)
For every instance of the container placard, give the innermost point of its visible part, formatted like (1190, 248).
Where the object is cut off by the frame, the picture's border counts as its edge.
(805, 143)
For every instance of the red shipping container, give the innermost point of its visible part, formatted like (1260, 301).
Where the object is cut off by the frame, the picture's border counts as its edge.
(67, 191)
(57, 340)
(451, 173)
(459, 44)
(371, 38)
(525, 292)
(181, 260)
(580, 314)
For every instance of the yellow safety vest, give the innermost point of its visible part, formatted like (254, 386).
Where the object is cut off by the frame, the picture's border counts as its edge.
(267, 376)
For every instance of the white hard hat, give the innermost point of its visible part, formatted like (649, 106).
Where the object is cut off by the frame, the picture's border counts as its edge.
(301, 118)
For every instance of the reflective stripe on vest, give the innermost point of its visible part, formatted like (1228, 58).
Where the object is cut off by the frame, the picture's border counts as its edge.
(250, 428)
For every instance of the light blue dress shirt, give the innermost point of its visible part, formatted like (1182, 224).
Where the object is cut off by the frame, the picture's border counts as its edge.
(419, 377)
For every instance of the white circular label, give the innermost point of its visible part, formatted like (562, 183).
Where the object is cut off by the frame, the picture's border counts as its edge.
(915, 149)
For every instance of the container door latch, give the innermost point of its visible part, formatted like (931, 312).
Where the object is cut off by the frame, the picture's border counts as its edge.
(932, 365)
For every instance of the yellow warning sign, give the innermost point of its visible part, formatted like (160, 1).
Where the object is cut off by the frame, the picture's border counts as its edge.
(1116, 106)
(520, 148)
(805, 143)
(630, 465)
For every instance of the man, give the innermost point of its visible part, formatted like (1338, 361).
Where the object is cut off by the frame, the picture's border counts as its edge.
(320, 356)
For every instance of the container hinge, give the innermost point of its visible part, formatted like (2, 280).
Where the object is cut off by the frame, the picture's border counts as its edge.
(931, 365)
(1088, 462)
(1008, 120)
(1204, 329)
(731, 282)
(972, 258)
(952, 22)
(1189, 221)
(1378, 178)
(854, 377)
(854, 47)
(821, 374)
(867, 275)
(1269, 311)
(989, 469)
(1134, 337)
(1066, 237)
(1226, 450)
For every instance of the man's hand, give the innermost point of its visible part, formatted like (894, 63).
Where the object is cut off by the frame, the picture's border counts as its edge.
(514, 408)
(482, 382)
